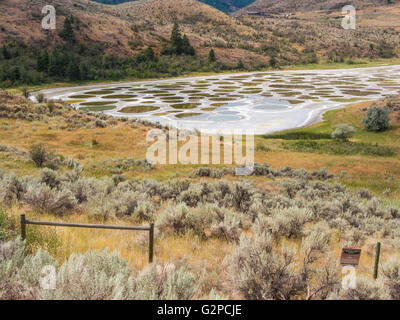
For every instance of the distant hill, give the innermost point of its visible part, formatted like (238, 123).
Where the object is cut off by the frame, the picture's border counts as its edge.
(280, 6)
(227, 6)
(113, 1)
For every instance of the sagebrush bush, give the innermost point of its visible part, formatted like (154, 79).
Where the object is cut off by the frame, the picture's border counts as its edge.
(11, 189)
(243, 193)
(169, 282)
(356, 214)
(175, 219)
(391, 274)
(20, 274)
(227, 227)
(192, 196)
(289, 222)
(261, 270)
(260, 273)
(44, 199)
(365, 289)
(89, 276)
(93, 276)
(49, 177)
(206, 220)
(144, 211)
(263, 169)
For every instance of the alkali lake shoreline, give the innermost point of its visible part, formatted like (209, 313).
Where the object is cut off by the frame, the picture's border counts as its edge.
(256, 102)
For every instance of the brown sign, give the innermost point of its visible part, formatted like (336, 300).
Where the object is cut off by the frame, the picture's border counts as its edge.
(350, 256)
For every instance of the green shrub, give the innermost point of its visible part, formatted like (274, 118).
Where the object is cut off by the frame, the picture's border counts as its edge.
(343, 132)
(298, 135)
(341, 148)
(38, 154)
(376, 119)
(260, 147)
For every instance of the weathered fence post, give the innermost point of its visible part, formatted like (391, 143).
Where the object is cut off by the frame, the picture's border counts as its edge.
(23, 226)
(151, 242)
(377, 254)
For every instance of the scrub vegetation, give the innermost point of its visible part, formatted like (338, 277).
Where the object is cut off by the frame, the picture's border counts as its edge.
(217, 235)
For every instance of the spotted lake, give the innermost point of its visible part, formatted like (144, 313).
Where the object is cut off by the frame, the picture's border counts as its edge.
(261, 101)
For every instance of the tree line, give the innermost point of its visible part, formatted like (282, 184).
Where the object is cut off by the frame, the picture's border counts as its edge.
(74, 61)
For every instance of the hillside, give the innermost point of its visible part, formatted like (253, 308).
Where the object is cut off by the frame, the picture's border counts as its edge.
(128, 28)
(282, 6)
(124, 29)
(113, 1)
(132, 38)
(227, 6)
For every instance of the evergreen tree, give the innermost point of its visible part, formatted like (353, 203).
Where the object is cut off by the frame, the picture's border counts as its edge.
(42, 61)
(240, 65)
(178, 44)
(272, 61)
(67, 33)
(5, 53)
(211, 57)
(187, 47)
(176, 39)
(72, 70)
(63, 62)
(84, 72)
(53, 67)
(15, 73)
(149, 54)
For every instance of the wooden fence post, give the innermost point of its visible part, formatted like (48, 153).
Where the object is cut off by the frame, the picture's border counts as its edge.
(23, 226)
(151, 242)
(377, 254)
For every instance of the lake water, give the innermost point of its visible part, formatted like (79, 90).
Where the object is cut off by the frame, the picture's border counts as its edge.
(261, 101)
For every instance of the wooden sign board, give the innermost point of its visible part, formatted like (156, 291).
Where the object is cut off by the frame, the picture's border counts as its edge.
(350, 256)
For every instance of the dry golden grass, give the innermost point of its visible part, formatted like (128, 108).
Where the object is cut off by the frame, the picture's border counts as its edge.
(123, 141)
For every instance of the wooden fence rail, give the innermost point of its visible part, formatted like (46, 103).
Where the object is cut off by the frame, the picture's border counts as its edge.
(149, 228)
